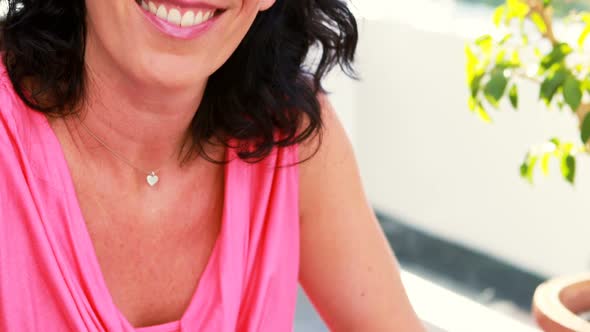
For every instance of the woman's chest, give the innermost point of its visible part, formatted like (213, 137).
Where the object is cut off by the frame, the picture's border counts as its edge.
(152, 261)
(152, 274)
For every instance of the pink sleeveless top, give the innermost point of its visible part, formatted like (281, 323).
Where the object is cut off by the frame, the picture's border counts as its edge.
(50, 279)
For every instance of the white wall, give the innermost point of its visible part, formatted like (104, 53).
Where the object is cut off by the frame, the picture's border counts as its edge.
(425, 158)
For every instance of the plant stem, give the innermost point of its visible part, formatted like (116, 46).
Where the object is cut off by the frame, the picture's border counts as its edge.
(581, 112)
(538, 7)
(523, 75)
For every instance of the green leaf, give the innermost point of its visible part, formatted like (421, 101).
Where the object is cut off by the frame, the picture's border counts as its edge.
(583, 36)
(506, 38)
(472, 103)
(499, 14)
(524, 170)
(566, 148)
(500, 56)
(494, 89)
(539, 22)
(527, 168)
(572, 92)
(568, 168)
(585, 129)
(557, 55)
(481, 112)
(515, 59)
(471, 63)
(485, 43)
(513, 95)
(516, 9)
(551, 84)
(545, 163)
(475, 85)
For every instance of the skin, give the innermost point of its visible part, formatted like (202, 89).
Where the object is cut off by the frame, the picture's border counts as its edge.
(143, 90)
(347, 267)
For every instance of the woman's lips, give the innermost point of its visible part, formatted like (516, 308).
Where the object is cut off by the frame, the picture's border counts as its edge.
(177, 15)
(185, 22)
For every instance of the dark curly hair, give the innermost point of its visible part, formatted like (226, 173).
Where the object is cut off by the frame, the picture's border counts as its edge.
(273, 104)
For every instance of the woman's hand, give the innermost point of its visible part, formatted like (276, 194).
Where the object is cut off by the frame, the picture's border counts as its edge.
(347, 267)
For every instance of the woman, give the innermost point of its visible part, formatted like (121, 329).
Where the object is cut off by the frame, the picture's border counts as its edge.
(162, 171)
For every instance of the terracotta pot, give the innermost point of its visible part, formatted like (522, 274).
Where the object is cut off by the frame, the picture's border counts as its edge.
(558, 302)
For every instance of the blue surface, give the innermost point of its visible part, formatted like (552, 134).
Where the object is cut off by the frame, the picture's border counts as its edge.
(306, 317)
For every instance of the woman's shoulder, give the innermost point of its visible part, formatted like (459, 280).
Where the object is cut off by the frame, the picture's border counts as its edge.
(331, 136)
(327, 157)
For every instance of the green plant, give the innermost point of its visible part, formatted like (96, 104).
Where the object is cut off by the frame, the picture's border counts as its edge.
(561, 7)
(528, 49)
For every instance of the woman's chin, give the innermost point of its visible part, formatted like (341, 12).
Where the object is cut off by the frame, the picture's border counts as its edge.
(171, 77)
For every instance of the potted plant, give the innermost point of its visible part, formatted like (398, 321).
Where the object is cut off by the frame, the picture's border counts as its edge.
(528, 49)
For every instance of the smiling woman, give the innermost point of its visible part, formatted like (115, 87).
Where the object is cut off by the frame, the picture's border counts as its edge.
(161, 163)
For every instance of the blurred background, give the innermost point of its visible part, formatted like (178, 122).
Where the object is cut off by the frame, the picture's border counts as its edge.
(445, 184)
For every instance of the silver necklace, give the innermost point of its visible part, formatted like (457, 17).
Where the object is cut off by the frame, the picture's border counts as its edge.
(152, 177)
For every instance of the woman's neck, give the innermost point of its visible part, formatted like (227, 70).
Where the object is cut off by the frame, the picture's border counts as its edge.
(145, 124)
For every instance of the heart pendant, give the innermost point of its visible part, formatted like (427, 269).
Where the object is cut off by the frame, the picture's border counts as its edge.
(152, 179)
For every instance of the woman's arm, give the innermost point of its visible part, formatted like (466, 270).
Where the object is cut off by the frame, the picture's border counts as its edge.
(347, 267)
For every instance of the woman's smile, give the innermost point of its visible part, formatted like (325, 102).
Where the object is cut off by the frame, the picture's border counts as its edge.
(180, 19)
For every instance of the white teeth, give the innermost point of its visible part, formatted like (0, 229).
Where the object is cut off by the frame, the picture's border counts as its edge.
(174, 16)
(188, 19)
(198, 18)
(153, 8)
(162, 13)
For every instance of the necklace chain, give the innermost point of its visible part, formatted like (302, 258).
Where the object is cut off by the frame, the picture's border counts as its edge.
(152, 179)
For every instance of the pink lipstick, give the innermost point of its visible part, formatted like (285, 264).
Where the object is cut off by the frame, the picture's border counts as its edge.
(180, 18)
